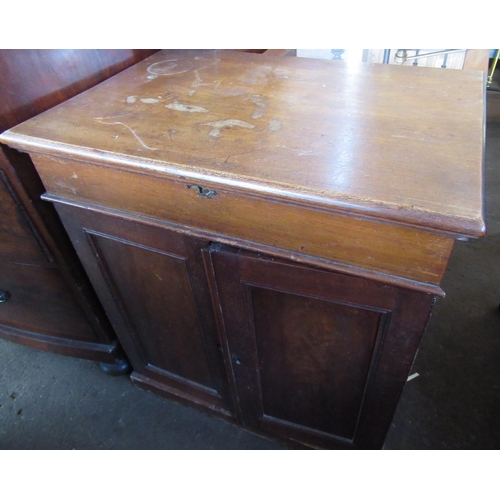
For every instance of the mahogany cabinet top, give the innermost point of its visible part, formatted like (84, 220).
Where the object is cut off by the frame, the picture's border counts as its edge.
(396, 143)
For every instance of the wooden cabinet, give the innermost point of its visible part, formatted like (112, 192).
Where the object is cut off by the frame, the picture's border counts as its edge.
(46, 300)
(267, 235)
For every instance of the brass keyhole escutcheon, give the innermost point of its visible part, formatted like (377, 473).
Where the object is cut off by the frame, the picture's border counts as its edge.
(207, 193)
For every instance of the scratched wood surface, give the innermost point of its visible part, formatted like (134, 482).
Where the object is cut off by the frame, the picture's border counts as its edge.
(402, 144)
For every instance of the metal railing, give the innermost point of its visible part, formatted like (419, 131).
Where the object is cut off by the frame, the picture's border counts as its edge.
(492, 72)
(402, 55)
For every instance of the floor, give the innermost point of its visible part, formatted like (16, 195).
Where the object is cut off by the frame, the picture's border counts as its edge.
(49, 401)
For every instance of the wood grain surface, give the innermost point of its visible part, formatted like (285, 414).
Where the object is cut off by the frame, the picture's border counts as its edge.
(36, 80)
(368, 245)
(401, 144)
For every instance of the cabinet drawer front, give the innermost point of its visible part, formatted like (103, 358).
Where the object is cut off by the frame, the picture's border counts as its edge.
(393, 250)
(40, 302)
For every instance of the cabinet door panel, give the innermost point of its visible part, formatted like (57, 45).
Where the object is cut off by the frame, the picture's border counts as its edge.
(311, 350)
(153, 286)
(156, 294)
(312, 354)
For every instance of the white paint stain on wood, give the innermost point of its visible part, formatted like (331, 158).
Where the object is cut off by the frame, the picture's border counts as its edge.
(229, 123)
(149, 100)
(275, 125)
(170, 67)
(131, 99)
(63, 185)
(261, 104)
(187, 108)
(133, 132)
(166, 95)
(198, 82)
(233, 92)
(175, 66)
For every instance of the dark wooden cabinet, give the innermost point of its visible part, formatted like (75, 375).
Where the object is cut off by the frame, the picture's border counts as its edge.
(47, 300)
(267, 235)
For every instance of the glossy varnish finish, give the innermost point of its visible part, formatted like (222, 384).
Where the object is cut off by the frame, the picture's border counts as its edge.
(267, 235)
(364, 139)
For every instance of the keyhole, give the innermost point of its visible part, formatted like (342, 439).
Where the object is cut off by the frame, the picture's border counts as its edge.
(237, 360)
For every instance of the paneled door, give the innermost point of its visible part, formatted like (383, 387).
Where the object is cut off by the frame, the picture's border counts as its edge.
(316, 356)
(153, 286)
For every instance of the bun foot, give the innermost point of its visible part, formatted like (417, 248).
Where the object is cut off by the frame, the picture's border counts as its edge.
(120, 367)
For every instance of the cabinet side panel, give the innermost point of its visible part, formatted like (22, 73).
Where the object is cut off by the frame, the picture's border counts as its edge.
(404, 333)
